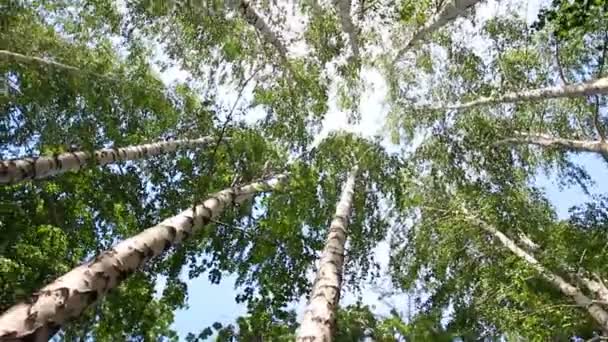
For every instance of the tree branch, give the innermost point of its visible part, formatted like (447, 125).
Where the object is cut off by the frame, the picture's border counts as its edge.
(594, 87)
(451, 10)
(343, 9)
(545, 140)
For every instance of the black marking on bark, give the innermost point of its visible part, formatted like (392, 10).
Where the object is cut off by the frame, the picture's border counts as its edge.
(32, 163)
(172, 231)
(75, 155)
(206, 218)
(117, 153)
(92, 297)
(106, 279)
(123, 274)
(149, 252)
(190, 221)
(58, 164)
(168, 245)
(186, 234)
(3, 169)
(141, 254)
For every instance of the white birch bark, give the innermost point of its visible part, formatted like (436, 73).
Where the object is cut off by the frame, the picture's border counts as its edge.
(450, 11)
(69, 295)
(545, 140)
(8, 55)
(17, 170)
(254, 19)
(343, 9)
(318, 323)
(595, 87)
(595, 311)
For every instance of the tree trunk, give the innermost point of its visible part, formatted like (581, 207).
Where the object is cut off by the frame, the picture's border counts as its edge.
(319, 319)
(599, 86)
(254, 19)
(450, 11)
(343, 9)
(8, 55)
(546, 140)
(68, 296)
(596, 311)
(14, 171)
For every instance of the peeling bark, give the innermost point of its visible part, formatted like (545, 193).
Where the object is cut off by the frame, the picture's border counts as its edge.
(595, 311)
(450, 11)
(69, 295)
(18, 170)
(546, 140)
(598, 86)
(318, 323)
(254, 19)
(343, 9)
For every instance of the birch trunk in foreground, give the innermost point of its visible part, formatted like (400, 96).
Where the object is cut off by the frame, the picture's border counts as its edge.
(450, 11)
(343, 9)
(17, 170)
(595, 310)
(595, 87)
(545, 140)
(318, 323)
(68, 296)
(254, 19)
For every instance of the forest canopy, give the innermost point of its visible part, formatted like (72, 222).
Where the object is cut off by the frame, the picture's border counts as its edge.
(304, 156)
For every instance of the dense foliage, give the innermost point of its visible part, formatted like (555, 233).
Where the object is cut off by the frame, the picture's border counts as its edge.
(263, 78)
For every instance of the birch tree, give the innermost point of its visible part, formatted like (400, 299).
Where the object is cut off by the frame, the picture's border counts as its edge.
(595, 87)
(268, 75)
(70, 294)
(595, 310)
(42, 167)
(545, 140)
(320, 315)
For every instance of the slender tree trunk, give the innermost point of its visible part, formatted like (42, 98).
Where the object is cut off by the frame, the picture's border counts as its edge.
(450, 11)
(343, 9)
(546, 140)
(68, 296)
(254, 19)
(595, 310)
(9, 55)
(18, 170)
(319, 319)
(598, 86)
